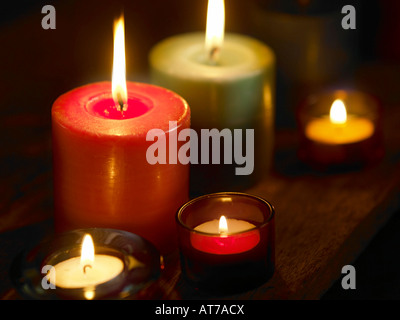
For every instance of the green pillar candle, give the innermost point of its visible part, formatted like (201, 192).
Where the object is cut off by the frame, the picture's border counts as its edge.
(235, 92)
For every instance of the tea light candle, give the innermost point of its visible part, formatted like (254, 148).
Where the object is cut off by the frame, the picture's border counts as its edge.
(88, 270)
(225, 236)
(228, 81)
(94, 263)
(231, 253)
(339, 128)
(349, 134)
(102, 177)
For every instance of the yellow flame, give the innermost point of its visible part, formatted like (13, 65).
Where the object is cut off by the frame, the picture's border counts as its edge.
(119, 92)
(215, 27)
(338, 113)
(223, 225)
(87, 251)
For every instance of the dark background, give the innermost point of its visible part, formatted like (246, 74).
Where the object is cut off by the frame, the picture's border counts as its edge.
(38, 65)
(80, 49)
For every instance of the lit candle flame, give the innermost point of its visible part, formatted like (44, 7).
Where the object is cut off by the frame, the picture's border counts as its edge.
(338, 113)
(223, 225)
(87, 253)
(119, 92)
(215, 28)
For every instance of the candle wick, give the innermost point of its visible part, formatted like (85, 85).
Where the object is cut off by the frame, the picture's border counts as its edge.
(122, 106)
(86, 266)
(214, 54)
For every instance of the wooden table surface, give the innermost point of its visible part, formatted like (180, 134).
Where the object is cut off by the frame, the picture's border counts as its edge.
(323, 222)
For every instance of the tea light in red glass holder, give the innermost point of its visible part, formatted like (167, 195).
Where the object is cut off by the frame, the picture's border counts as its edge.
(220, 242)
(340, 129)
(226, 241)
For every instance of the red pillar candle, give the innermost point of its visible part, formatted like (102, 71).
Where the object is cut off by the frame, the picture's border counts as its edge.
(101, 175)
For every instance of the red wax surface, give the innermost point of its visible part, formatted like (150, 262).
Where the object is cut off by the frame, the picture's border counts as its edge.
(101, 175)
(104, 107)
(225, 244)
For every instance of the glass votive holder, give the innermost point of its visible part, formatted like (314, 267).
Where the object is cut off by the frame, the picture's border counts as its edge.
(340, 129)
(123, 265)
(227, 242)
